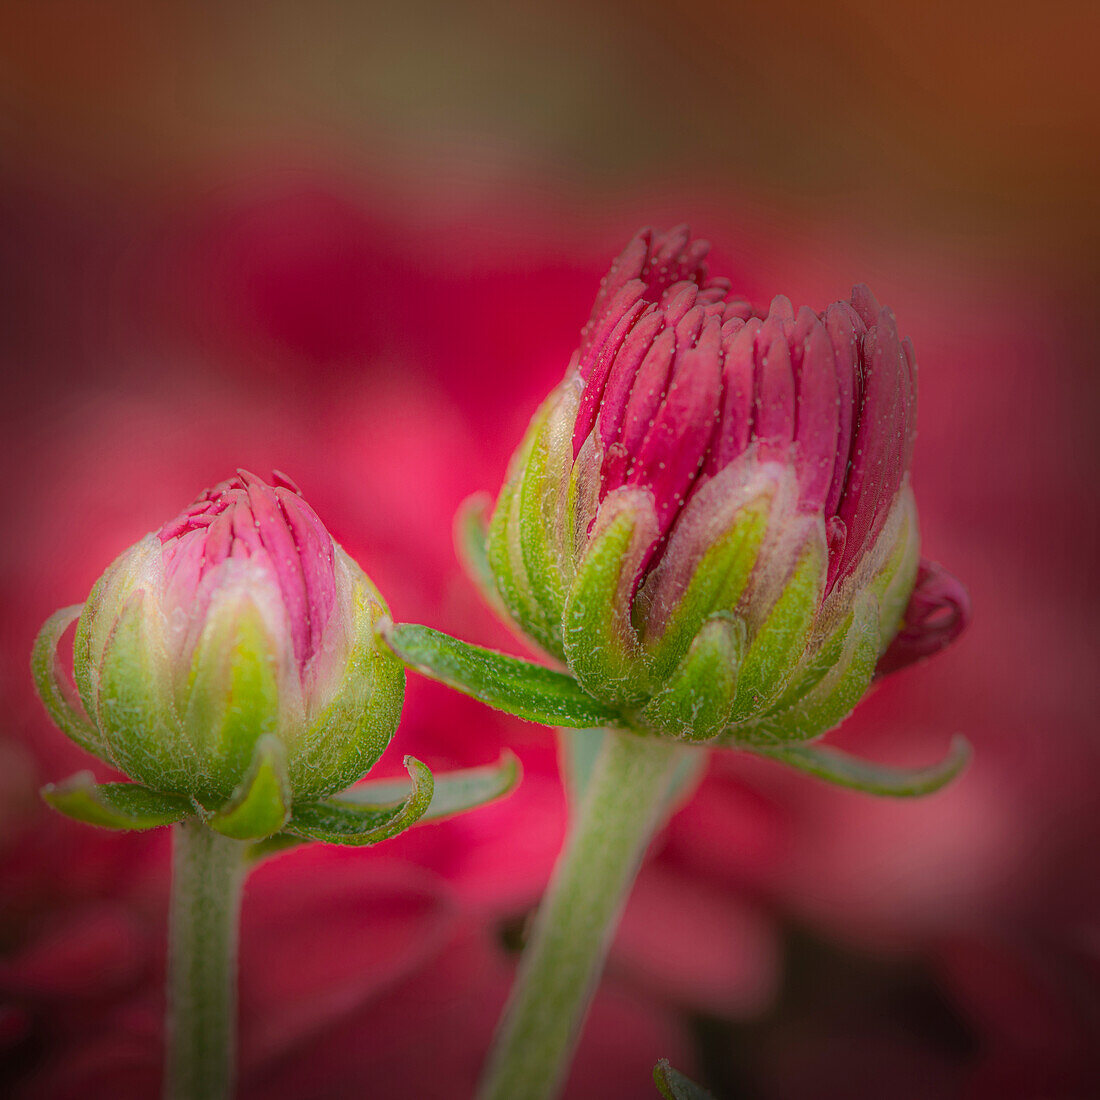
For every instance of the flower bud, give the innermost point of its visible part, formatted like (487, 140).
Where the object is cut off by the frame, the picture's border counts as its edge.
(234, 646)
(709, 520)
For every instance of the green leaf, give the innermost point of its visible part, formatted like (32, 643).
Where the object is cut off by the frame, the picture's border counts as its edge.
(58, 695)
(673, 1085)
(455, 792)
(695, 703)
(261, 804)
(339, 821)
(838, 767)
(519, 687)
(115, 805)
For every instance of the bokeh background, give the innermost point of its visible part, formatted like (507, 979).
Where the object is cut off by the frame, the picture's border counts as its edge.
(356, 241)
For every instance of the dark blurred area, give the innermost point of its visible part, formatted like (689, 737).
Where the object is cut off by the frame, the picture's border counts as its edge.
(357, 242)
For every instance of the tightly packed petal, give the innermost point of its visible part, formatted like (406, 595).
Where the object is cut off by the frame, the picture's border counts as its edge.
(710, 520)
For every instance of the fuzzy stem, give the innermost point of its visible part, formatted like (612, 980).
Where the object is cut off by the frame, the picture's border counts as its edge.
(207, 873)
(623, 804)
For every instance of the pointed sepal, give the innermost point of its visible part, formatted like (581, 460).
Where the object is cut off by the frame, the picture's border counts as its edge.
(261, 804)
(695, 703)
(673, 1085)
(826, 688)
(600, 641)
(781, 639)
(339, 821)
(838, 767)
(522, 688)
(124, 806)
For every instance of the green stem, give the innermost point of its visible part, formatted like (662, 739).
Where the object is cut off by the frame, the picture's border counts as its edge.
(624, 802)
(207, 873)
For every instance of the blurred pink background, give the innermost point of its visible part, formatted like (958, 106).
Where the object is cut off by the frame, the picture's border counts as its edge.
(356, 242)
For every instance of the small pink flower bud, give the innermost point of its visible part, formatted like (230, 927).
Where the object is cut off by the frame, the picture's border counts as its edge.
(239, 622)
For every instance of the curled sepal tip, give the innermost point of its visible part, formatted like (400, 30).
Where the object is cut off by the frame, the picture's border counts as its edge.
(673, 1085)
(54, 688)
(838, 767)
(124, 806)
(260, 805)
(340, 821)
(455, 792)
(519, 687)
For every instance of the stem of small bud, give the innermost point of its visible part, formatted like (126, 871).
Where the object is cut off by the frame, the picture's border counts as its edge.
(208, 871)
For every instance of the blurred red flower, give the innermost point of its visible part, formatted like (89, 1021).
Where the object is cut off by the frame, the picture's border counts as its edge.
(382, 355)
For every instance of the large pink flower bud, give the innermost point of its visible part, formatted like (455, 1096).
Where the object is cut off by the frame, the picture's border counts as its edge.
(710, 520)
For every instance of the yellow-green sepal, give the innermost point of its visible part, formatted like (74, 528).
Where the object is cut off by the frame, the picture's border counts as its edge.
(346, 739)
(780, 641)
(716, 584)
(134, 704)
(828, 686)
(341, 821)
(122, 806)
(232, 694)
(694, 705)
(260, 806)
(505, 556)
(601, 645)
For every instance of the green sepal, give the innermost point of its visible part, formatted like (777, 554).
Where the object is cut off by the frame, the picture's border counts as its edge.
(827, 688)
(673, 1085)
(695, 703)
(233, 692)
(261, 804)
(58, 697)
(780, 641)
(471, 533)
(519, 687)
(538, 496)
(347, 738)
(455, 792)
(838, 767)
(717, 584)
(601, 646)
(505, 556)
(132, 708)
(341, 821)
(128, 806)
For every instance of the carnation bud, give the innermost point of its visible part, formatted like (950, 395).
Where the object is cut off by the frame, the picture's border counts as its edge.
(710, 520)
(234, 647)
